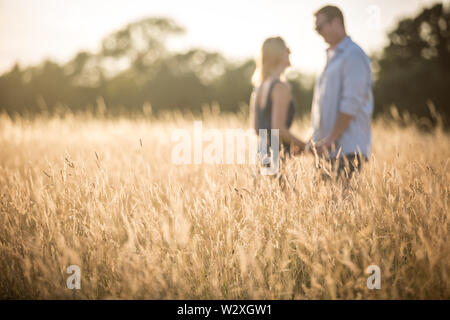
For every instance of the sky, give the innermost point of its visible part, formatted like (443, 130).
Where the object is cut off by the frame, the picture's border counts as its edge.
(31, 30)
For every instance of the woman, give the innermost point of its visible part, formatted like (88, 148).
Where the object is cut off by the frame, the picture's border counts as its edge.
(271, 103)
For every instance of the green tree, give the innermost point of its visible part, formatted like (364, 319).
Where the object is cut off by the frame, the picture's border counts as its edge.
(415, 67)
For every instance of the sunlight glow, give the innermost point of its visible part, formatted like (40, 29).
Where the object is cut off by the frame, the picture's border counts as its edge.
(33, 30)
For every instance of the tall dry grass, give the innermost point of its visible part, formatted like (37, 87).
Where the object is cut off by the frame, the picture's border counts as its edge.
(104, 195)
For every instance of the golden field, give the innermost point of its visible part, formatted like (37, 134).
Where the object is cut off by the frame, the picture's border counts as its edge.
(103, 194)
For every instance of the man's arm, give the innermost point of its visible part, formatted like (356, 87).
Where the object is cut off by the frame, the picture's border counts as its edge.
(342, 123)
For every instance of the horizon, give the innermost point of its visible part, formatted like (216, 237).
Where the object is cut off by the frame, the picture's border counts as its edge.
(52, 31)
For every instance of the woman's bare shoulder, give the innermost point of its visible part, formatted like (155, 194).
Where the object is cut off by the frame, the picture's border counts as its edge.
(282, 87)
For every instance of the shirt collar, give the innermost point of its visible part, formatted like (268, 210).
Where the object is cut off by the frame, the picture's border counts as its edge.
(343, 44)
(339, 48)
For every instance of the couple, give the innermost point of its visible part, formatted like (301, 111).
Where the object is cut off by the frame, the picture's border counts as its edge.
(342, 104)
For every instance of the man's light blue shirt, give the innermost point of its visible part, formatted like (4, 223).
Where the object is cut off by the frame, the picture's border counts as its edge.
(345, 86)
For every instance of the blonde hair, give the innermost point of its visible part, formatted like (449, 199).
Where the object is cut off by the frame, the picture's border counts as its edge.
(269, 59)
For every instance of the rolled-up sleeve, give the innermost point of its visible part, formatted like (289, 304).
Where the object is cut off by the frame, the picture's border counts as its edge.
(356, 83)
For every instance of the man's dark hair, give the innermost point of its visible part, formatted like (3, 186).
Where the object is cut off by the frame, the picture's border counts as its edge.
(331, 12)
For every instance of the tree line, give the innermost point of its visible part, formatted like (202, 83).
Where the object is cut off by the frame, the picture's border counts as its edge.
(135, 72)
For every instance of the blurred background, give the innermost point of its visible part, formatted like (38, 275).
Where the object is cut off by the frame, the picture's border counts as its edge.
(145, 57)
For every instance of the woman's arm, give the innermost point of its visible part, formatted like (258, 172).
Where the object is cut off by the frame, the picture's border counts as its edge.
(281, 98)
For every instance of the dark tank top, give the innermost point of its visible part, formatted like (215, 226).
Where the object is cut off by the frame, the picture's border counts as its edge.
(264, 116)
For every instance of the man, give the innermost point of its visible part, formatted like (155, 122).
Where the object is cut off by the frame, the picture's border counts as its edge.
(343, 101)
